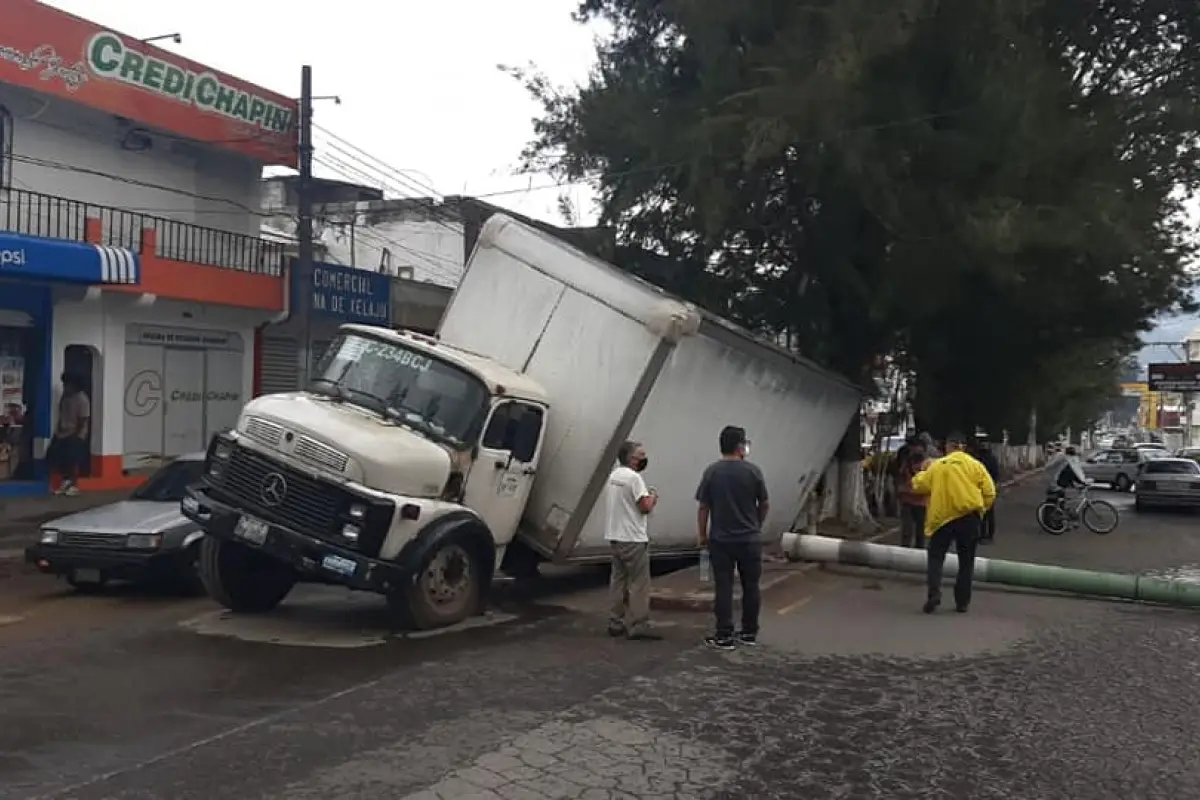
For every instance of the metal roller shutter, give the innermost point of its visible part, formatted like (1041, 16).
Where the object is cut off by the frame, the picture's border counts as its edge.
(279, 370)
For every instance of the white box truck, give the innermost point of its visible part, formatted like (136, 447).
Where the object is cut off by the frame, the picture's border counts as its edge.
(413, 465)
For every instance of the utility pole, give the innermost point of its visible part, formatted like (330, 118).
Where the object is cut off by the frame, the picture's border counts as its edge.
(304, 191)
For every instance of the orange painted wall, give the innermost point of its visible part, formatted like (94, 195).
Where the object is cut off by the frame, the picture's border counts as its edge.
(197, 283)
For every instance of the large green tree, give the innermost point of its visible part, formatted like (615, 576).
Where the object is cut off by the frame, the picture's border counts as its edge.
(988, 190)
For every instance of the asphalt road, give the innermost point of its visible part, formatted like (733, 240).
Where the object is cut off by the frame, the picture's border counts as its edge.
(853, 694)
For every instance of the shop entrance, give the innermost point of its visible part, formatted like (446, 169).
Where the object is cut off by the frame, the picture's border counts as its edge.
(20, 375)
(181, 387)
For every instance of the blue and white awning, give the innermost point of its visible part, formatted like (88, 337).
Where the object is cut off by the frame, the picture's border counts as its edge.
(41, 259)
(118, 265)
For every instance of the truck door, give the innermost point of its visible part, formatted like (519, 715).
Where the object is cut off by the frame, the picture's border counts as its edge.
(502, 476)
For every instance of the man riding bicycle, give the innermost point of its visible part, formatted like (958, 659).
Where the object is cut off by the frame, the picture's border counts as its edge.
(1066, 472)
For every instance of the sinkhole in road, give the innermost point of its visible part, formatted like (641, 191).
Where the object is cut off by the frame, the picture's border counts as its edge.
(289, 631)
(321, 616)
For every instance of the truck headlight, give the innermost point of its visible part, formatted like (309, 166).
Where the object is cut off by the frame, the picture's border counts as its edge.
(143, 541)
(358, 511)
(49, 536)
(351, 532)
(222, 450)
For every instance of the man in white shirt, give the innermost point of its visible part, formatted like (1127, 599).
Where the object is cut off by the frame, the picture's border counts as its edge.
(628, 504)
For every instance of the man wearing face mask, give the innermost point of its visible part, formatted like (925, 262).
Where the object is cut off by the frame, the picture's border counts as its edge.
(628, 505)
(733, 504)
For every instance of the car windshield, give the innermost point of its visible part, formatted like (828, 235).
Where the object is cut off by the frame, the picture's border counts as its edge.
(1173, 468)
(167, 485)
(404, 385)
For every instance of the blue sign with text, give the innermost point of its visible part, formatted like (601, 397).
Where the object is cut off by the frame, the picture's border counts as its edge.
(35, 258)
(347, 294)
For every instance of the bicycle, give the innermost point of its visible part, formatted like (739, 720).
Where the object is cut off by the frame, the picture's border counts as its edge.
(1056, 515)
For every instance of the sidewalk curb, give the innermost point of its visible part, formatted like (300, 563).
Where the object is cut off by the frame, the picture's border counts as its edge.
(701, 601)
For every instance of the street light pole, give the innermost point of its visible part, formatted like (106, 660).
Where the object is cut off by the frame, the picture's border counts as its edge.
(304, 191)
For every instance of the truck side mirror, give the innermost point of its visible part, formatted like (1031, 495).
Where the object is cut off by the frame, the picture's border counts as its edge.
(525, 440)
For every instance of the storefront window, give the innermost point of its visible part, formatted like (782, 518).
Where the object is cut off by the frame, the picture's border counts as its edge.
(16, 433)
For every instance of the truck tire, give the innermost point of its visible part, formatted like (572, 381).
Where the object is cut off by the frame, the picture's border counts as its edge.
(241, 579)
(448, 589)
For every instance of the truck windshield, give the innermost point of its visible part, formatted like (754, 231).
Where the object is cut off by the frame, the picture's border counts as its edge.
(404, 385)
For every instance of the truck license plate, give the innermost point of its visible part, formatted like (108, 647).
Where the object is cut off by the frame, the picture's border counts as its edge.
(251, 529)
(342, 566)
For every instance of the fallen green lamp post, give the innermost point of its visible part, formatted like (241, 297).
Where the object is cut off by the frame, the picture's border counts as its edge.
(1142, 588)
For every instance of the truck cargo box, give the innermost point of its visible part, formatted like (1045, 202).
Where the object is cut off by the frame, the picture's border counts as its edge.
(622, 359)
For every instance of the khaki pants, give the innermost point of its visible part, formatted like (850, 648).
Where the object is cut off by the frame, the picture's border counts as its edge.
(629, 587)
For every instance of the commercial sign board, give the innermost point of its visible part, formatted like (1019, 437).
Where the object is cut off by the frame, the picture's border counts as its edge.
(58, 54)
(35, 258)
(344, 293)
(1175, 377)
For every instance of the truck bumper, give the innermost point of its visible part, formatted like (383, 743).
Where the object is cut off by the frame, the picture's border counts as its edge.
(312, 558)
(121, 565)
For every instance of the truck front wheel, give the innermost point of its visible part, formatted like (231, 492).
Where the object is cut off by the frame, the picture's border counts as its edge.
(448, 589)
(241, 579)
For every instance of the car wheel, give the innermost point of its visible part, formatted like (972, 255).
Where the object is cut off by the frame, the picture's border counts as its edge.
(1122, 483)
(447, 590)
(86, 586)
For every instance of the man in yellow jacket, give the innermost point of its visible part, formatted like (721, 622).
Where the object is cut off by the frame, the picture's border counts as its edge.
(960, 492)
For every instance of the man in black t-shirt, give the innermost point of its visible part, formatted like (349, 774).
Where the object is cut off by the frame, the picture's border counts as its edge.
(733, 504)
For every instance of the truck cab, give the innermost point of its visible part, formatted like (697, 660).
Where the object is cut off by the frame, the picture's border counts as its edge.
(403, 469)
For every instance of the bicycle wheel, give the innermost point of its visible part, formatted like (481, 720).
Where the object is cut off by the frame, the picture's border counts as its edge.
(1052, 519)
(1100, 516)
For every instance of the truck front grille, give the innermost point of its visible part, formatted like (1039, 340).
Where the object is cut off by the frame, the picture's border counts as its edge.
(308, 505)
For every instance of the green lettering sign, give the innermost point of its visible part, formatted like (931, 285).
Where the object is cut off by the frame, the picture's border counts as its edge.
(108, 57)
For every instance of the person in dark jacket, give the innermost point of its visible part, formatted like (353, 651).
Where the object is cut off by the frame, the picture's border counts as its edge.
(982, 452)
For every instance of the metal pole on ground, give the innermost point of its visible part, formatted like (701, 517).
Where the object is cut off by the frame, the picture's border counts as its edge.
(990, 570)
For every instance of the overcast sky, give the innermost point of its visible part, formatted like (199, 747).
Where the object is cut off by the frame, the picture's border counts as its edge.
(418, 80)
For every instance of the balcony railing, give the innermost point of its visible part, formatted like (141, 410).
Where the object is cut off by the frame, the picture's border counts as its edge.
(37, 214)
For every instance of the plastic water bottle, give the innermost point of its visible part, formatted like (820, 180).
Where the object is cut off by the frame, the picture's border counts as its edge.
(705, 566)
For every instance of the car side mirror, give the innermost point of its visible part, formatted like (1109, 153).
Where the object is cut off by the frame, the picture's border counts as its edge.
(525, 440)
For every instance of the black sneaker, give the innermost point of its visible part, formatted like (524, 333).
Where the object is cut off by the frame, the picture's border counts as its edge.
(748, 639)
(962, 609)
(616, 631)
(720, 642)
(931, 605)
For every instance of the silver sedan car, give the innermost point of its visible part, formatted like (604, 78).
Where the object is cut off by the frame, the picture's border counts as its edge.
(1118, 468)
(1169, 483)
(143, 539)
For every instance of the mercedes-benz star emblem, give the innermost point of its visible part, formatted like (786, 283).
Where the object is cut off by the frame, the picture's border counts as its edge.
(273, 490)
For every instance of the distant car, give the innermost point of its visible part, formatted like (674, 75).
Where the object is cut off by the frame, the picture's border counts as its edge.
(1151, 446)
(1118, 468)
(1188, 452)
(143, 539)
(1169, 483)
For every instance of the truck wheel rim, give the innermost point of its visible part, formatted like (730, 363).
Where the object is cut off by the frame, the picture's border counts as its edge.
(448, 576)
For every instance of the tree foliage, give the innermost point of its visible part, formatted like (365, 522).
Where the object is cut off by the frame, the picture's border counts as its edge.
(989, 190)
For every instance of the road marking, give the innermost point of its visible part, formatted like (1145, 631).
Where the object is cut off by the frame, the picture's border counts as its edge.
(803, 601)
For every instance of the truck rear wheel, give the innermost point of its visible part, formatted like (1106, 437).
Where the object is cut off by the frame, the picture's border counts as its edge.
(448, 589)
(241, 579)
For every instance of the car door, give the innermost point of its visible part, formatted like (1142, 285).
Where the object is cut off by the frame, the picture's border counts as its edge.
(1101, 467)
